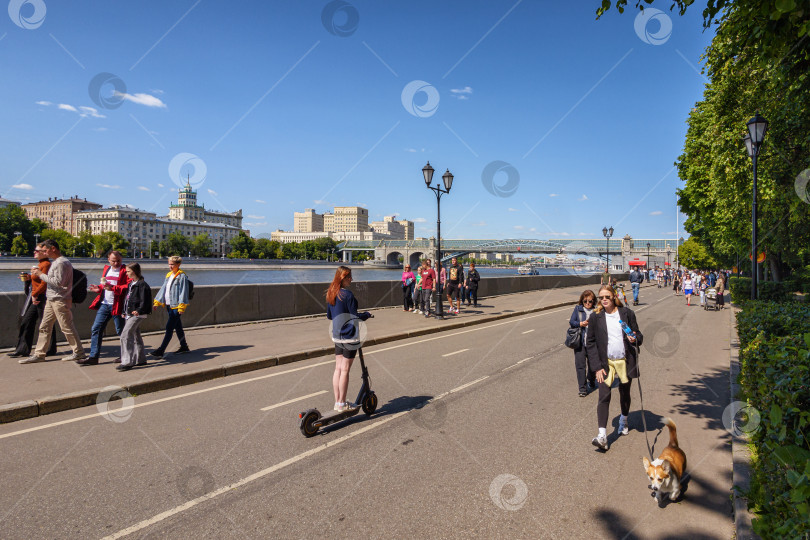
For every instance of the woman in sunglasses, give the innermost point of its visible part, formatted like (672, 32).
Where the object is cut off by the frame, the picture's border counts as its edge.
(579, 318)
(613, 336)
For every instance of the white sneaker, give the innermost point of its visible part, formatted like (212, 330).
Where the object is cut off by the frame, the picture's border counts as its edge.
(417, 312)
(33, 359)
(73, 357)
(600, 442)
(623, 430)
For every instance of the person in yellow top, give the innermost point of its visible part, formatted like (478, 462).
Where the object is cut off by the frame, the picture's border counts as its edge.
(174, 294)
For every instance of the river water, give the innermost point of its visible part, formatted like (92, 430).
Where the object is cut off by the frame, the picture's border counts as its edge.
(10, 281)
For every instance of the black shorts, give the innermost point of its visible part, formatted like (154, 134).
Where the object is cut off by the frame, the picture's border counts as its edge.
(346, 350)
(452, 290)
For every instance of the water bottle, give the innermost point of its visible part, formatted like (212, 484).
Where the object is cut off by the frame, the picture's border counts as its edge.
(627, 329)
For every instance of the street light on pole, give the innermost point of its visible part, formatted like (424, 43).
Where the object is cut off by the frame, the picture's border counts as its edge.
(447, 179)
(607, 233)
(757, 127)
(648, 258)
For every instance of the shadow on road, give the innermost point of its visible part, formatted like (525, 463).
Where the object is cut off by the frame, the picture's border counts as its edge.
(622, 527)
(399, 404)
(705, 397)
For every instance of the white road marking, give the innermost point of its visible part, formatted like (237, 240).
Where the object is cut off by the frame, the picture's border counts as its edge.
(456, 352)
(293, 400)
(516, 364)
(529, 331)
(277, 467)
(261, 377)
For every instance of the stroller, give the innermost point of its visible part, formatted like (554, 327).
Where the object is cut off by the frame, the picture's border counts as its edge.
(711, 298)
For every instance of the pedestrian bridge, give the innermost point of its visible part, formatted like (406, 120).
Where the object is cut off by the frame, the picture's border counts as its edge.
(388, 252)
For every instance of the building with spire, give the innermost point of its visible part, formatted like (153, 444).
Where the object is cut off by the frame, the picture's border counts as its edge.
(187, 209)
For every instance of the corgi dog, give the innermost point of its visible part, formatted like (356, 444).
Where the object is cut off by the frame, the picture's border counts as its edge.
(665, 472)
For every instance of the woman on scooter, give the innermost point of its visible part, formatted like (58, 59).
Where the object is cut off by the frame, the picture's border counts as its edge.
(341, 309)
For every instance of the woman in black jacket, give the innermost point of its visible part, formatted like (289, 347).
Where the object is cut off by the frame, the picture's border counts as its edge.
(137, 305)
(579, 319)
(612, 354)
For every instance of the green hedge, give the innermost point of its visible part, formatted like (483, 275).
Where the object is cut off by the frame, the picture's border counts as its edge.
(740, 288)
(775, 379)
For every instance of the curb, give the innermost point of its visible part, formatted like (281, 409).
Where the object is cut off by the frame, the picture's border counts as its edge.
(23, 410)
(740, 452)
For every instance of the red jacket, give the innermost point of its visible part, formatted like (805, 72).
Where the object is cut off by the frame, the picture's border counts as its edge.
(119, 291)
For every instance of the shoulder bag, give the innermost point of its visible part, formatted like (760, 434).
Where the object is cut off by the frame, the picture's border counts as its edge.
(573, 337)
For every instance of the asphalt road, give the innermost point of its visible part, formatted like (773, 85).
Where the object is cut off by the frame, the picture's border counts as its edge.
(480, 433)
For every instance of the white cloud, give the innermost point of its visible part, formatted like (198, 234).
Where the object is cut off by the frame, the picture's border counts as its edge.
(27, 187)
(100, 129)
(479, 224)
(513, 209)
(66, 107)
(144, 188)
(582, 234)
(261, 201)
(583, 198)
(90, 111)
(108, 186)
(519, 227)
(533, 229)
(410, 150)
(156, 91)
(251, 216)
(44, 103)
(553, 195)
(142, 99)
(656, 213)
(316, 201)
(212, 192)
(465, 90)
(256, 224)
(161, 185)
(420, 220)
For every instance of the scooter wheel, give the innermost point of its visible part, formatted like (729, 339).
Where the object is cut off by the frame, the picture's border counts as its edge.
(307, 427)
(370, 404)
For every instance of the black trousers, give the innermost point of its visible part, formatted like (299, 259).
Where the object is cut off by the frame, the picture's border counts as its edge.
(407, 296)
(604, 402)
(29, 326)
(583, 373)
(473, 291)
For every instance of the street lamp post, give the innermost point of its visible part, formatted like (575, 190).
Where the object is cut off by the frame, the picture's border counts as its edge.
(447, 178)
(607, 233)
(648, 258)
(757, 126)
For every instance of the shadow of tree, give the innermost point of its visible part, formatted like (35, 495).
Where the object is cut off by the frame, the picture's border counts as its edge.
(623, 528)
(705, 397)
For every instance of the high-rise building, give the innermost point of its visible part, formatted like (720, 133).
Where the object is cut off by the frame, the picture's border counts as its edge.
(408, 229)
(308, 221)
(390, 226)
(59, 213)
(351, 219)
(329, 222)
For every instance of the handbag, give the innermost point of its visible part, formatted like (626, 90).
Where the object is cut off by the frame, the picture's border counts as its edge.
(573, 337)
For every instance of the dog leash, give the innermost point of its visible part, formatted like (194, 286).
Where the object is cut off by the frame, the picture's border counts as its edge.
(641, 396)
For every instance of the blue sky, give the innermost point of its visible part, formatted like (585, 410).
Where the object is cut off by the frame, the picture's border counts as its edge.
(554, 124)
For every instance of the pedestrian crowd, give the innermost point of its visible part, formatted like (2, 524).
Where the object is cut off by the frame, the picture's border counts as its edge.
(53, 288)
(420, 288)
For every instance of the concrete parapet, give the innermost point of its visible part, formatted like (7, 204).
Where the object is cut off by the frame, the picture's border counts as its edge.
(222, 304)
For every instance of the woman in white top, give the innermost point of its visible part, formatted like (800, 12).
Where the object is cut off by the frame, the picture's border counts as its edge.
(612, 354)
(688, 288)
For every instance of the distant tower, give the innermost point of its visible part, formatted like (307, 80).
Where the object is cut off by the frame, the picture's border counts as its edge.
(186, 207)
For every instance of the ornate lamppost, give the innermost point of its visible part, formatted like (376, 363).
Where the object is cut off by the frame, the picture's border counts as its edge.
(757, 126)
(607, 233)
(447, 179)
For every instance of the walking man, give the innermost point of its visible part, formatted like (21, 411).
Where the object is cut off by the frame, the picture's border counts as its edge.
(473, 277)
(636, 278)
(428, 282)
(59, 294)
(455, 282)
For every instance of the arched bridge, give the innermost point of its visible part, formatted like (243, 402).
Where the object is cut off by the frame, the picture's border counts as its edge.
(388, 252)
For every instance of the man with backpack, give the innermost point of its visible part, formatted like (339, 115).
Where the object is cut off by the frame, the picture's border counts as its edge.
(636, 278)
(60, 296)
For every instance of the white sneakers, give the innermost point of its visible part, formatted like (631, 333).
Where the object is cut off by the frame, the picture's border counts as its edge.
(600, 441)
(417, 312)
(31, 359)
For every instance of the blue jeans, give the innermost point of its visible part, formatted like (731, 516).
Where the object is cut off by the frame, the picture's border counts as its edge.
(103, 315)
(174, 324)
(635, 291)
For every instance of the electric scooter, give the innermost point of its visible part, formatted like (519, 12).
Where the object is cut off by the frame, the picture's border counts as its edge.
(312, 420)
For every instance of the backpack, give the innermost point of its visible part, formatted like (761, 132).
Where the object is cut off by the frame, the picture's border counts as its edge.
(79, 292)
(190, 288)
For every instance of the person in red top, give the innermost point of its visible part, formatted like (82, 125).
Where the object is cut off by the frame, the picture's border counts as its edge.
(428, 284)
(33, 308)
(109, 302)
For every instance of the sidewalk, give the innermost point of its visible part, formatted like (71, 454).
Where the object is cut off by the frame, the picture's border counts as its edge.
(217, 351)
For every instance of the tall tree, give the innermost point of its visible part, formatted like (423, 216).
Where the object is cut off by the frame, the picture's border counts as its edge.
(201, 245)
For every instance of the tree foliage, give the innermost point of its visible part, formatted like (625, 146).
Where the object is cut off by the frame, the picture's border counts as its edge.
(176, 243)
(201, 245)
(19, 246)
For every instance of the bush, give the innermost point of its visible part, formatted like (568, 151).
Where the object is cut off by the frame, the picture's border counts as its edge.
(774, 377)
(773, 291)
(740, 288)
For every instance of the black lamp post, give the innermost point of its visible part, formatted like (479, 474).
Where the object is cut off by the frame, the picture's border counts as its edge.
(447, 178)
(648, 258)
(757, 126)
(607, 233)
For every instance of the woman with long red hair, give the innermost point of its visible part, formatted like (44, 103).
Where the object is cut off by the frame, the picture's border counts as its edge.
(341, 309)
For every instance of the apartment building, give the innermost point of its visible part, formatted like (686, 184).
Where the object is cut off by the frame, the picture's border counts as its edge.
(59, 213)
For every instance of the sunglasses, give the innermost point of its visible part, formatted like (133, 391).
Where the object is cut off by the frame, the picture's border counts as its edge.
(588, 301)
(605, 298)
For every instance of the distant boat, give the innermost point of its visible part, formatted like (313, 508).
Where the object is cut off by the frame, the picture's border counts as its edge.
(528, 269)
